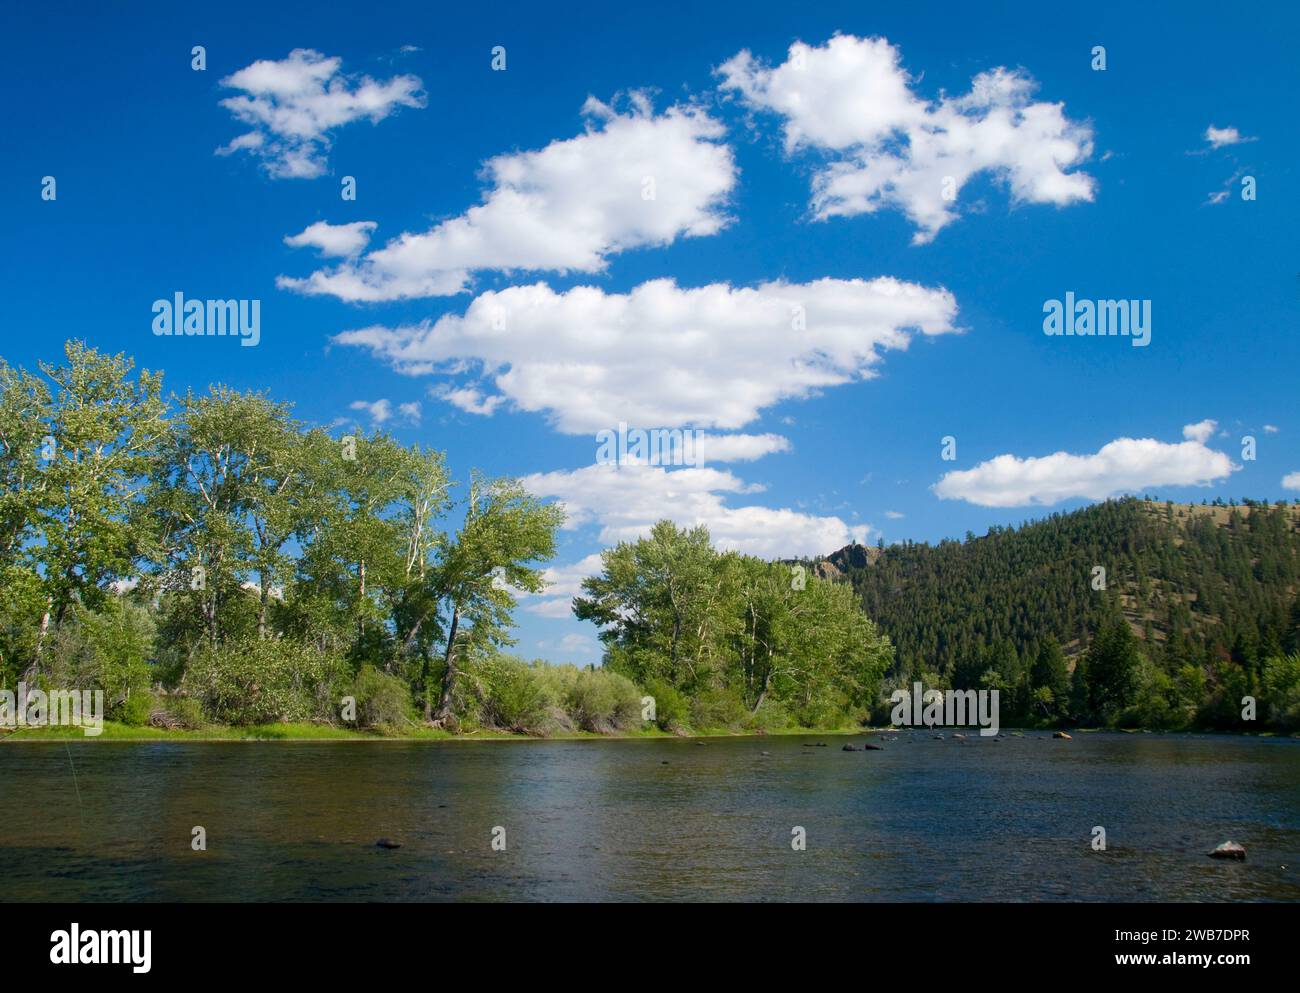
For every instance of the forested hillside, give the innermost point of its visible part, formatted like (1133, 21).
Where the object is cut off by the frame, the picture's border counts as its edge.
(1209, 593)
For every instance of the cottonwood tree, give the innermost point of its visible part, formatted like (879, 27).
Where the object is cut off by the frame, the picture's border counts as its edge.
(104, 431)
(505, 531)
(673, 611)
(24, 418)
(657, 603)
(227, 498)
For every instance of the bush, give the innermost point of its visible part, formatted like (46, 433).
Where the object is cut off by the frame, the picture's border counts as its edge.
(1282, 691)
(515, 696)
(382, 700)
(109, 650)
(603, 702)
(770, 716)
(178, 711)
(136, 708)
(717, 708)
(672, 713)
(261, 682)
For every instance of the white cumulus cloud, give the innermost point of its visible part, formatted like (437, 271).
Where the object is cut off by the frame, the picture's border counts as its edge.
(1121, 466)
(1219, 137)
(626, 501)
(1291, 481)
(851, 98)
(381, 411)
(292, 106)
(738, 447)
(1201, 431)
(663, 355)
(631, 180)
(333, 240)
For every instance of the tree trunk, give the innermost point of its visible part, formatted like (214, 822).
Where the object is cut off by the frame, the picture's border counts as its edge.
(449, 676)
(361, 620)
(261, 610)
(40, 638)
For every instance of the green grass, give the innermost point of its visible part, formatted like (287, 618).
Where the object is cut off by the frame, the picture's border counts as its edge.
(117, 731)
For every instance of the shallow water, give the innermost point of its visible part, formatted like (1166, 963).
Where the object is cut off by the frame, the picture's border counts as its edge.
(923, 819)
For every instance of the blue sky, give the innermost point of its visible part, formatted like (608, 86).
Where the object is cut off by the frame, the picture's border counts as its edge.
(806, 176)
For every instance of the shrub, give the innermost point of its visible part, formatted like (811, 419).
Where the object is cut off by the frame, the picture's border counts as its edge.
(717, 708)
(515, 696)
(382, 700)
(1282, 690)
(136, 708)
(603, 701)
(260, 682)
(178, 711)
(672, 713)
(109, 649)
(770, 716)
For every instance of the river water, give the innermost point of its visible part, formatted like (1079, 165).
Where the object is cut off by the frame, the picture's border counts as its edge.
(922, 819)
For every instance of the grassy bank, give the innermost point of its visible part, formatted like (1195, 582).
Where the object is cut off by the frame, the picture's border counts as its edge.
(307, 732)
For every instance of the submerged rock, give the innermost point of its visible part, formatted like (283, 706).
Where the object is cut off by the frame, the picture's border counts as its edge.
(385, 843)
(1062, 734)
(850, 748)
(873, 748)
(1229, 850)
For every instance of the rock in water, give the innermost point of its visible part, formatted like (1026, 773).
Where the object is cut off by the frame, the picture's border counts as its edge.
(850, 748)
(1229, 850)
(873, 748)
(385, 843)
(1062, 734)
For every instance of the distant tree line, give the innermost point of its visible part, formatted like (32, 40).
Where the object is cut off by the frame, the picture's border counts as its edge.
(1199, 611)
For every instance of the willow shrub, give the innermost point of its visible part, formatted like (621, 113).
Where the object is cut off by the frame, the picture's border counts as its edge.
(262, 682)
(383, 701)
(514, 696)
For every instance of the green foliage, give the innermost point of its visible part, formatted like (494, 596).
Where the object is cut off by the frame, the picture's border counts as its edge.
(733, 634)
(713, 709)
(514, 696)
(135, 709)
(1113, 671)
(1210, 594)
(1281, 691)
(181, 711)
(383, 701)
(262, 553)
(107, 650)
(259, 682)
(672, 709)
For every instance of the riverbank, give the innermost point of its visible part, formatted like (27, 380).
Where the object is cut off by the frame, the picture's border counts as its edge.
(324, 733)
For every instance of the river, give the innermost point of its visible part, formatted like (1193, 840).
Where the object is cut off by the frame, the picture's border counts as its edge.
(922, 819)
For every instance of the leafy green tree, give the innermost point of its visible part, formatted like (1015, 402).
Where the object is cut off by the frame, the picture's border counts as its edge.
(505, 531)
(103, 437)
